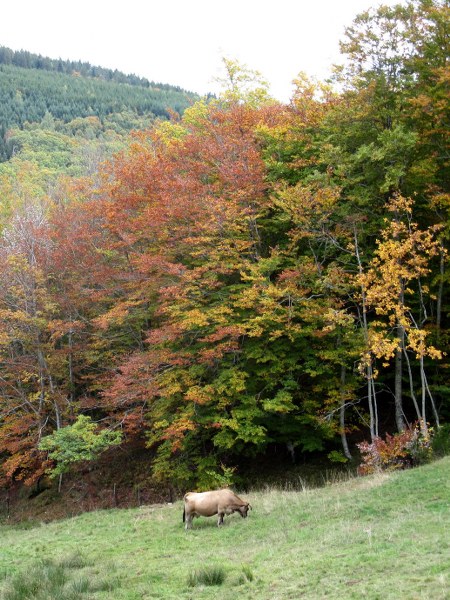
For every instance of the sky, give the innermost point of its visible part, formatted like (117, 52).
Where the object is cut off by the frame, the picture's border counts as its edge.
(182, 42)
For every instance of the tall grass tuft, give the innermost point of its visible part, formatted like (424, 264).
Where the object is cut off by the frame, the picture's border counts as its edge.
(79, 585)
(247, 573)
(207, 576)
(72, 561)
(3, 574)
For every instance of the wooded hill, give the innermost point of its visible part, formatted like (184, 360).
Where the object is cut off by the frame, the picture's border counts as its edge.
(33, 88)
(28, 60)
(250, 281)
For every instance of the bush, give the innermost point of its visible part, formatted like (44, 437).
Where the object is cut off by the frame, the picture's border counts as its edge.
(76, 443)
(399, 451)
(441, 440)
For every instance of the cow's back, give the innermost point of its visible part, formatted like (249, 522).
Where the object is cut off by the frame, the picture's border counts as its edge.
(208, 503)
(202, 503)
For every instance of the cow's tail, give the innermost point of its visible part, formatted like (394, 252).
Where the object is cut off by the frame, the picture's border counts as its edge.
(184, 515)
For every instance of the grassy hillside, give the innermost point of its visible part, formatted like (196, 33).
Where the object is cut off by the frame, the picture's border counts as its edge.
(377, 537)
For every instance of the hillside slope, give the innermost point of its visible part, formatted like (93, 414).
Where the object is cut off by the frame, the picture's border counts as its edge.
(30, 95)
(375, 537)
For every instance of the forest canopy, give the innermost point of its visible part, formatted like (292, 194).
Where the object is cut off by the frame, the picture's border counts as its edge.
(245, 277)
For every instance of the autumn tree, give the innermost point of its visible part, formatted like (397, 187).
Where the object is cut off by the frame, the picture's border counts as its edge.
(237, 355)
(402, 259)
(30, 395)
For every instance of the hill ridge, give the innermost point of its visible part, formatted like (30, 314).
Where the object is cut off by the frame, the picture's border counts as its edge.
(29, 60)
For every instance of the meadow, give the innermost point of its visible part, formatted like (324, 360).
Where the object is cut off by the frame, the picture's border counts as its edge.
(383, 536)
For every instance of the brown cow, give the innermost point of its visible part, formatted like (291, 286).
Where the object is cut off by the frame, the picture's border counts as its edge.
(207, 504)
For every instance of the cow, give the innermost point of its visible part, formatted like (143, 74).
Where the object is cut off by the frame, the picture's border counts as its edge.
(218, 502)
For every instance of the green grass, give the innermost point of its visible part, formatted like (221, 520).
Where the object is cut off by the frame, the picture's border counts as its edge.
(54, 580)
(384, 536)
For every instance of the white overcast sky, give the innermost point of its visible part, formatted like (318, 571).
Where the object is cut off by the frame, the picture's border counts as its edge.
(181, 42)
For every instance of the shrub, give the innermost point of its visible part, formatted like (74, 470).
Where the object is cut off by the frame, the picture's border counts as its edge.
(207, 576)
(441, 440)
(212, 475)
(336, 456)
(399, 451)
(421, 445)
(76, 443)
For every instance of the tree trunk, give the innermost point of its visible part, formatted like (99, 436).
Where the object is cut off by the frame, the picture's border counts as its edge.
(70, 367)
(375, 405)
(399, 417)
(440, 294)
(424, 395)
(371, 402)
(411, 385)
(433, 405)
(342, 416)
(371, 392)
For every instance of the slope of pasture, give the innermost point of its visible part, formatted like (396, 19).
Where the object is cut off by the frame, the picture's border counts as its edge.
(384, 536)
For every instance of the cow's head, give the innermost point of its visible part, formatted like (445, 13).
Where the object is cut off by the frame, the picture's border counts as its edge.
(244, 510)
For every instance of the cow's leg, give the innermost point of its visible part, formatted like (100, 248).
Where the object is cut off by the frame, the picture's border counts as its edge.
(189, 517)
(220, 519)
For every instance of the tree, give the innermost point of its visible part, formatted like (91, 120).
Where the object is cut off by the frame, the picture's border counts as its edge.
(77, 443)
(402, 258)
(30, 395)
(242, 85)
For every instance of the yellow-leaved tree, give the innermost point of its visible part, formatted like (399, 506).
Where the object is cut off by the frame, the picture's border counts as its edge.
(398, 271)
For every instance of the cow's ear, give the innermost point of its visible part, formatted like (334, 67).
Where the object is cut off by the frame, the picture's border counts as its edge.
(250, 506)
